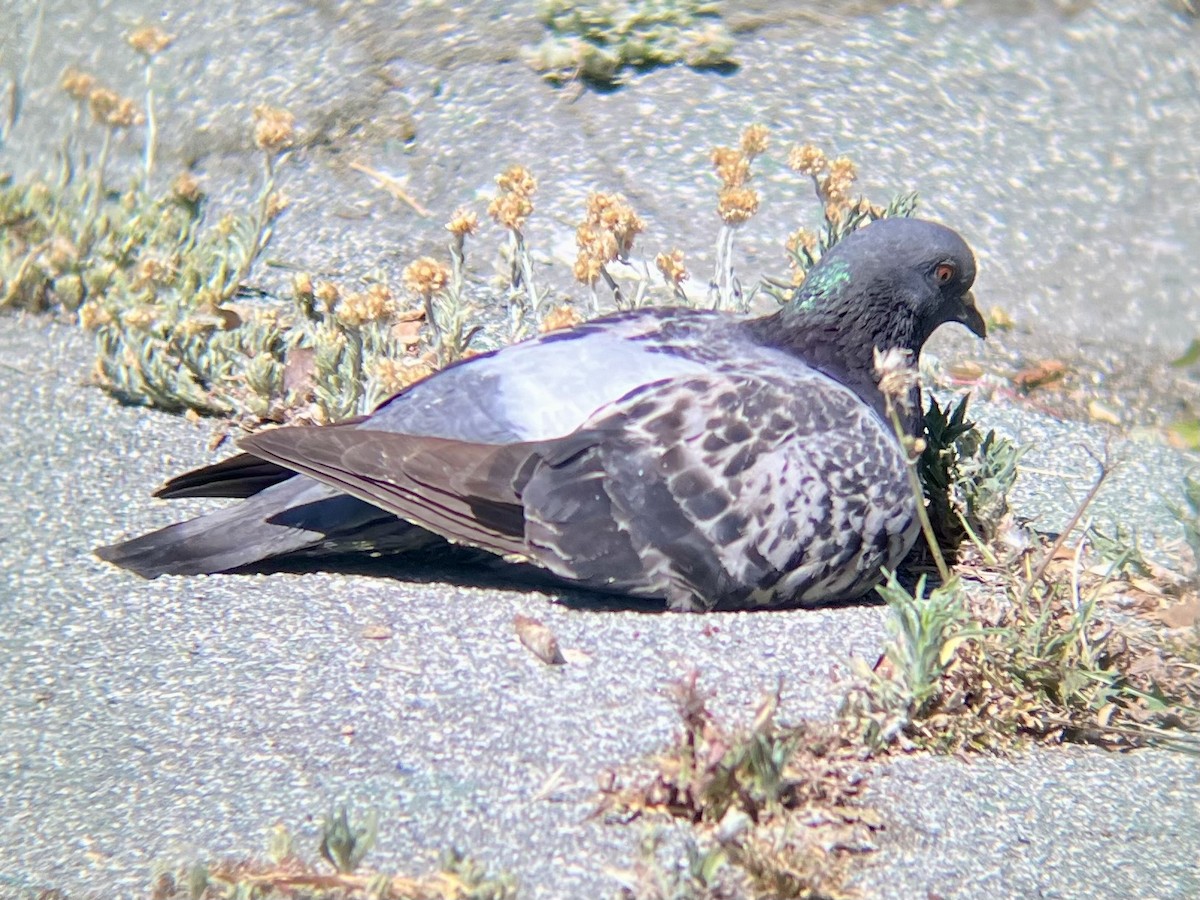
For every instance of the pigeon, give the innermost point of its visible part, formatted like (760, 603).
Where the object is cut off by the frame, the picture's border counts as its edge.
(701, 458)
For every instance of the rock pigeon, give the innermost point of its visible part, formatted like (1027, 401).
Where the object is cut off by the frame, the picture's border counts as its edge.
(697, 457)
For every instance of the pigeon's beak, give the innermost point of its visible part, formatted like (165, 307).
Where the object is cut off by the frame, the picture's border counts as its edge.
(969, 315)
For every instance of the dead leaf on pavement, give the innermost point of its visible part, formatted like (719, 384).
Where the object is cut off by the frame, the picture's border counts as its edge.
(538, 640)
(1183, 614)
(377, 632)
(1039, 374)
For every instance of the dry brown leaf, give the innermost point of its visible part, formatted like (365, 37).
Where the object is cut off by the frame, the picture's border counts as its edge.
(1039, 374)
(965, 371)
(300, 373)
(1183, 614)
(1101, 413)
(407, 332)
(538, 640)
(377, 632)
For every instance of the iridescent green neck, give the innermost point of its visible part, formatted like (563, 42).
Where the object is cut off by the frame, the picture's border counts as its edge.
(823, 286)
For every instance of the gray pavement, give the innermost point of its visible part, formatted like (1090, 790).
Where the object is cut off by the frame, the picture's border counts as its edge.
(180, 718)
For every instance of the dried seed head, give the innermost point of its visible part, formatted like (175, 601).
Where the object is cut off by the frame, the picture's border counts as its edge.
(754, 140)
(373, 305)
(186, 188)
(140, 317)
(152, 271)
(610, 214)
(807, 160)
(801, 240)
(149, 40)
(896, 373)
(277, 202)
(274, 128)
(78, 84)
(111, 109)
(736, 205)
(587, 268)
(732, 166)
(92, 315)
(672, 267)
(561, 317)
(394, 375)
(327, 293)
(425, 276)
(838, 183)
(463, 222)
(302, 284)
(510, 210)
(103, 102)
(517, 180)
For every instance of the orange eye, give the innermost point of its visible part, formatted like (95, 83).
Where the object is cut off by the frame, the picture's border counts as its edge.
(944, 273)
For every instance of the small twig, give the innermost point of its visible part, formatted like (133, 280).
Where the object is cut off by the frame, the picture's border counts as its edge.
(1044, 564)
(393, 186)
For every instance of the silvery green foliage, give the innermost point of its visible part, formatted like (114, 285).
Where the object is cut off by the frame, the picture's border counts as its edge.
(596, 41)
(966, 477)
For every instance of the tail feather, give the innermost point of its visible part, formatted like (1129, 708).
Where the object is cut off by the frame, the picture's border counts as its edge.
(296, 517)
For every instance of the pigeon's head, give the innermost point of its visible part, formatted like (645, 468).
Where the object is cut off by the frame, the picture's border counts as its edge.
(898, 279)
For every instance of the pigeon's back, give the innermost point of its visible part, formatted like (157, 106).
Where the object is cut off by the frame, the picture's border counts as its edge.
(548, 387)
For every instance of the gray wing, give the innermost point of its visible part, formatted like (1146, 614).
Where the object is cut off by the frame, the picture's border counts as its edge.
(725, 490)
(536, 390)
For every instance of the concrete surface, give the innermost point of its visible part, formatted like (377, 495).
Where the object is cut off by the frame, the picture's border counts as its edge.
(181, 718)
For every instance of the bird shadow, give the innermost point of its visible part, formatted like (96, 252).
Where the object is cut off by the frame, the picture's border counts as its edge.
(466, 568)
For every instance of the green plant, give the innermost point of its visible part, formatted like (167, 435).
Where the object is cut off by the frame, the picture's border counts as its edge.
(966, 479)
(773, 807)
(597, 40)
(284, 874)
(1187, 514)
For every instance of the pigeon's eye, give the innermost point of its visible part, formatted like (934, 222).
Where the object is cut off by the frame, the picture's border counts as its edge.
(944, 273)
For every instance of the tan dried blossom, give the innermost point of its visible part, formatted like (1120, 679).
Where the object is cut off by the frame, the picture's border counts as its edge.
(802, 239)
(587, 268)
(672, 267)
(754, 140)
(463, 222)
(373, 305)
(425, 276)
(92, 315)
(152, 270)
(510, 210)
(896, 373)
(302, 284)
(226, 225)
(277, 202)
(394, 375)
(149, 40)
(186, 188)
(736, 205)
(103, 102)
(140, 317)
(838, 183)
(327, 292)
(78, 84)
(807, 160)
(274, 128)
(612, 214)
(833, 213)
(517, 180)
(594, 241)
(731, 165)
(126, 115)
(561, 317)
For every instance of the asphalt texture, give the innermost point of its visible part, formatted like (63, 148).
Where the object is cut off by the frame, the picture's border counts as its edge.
(179, 719)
